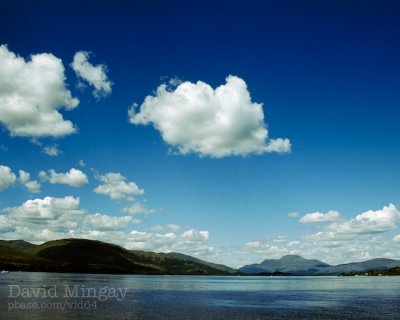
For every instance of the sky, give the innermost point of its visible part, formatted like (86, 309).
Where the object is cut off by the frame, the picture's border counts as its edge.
(234, 131)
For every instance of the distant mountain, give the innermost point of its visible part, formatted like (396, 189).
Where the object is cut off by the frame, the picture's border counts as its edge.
(293, 264)
(355, 267)
(89, 256)
(299, 266)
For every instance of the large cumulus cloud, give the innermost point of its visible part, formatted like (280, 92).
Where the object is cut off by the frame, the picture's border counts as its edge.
(195, 118)
(32, 93)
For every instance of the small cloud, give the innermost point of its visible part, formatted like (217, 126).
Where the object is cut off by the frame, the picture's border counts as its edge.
(138, 208)
(174, 82)
(7, 177)
(114, 185)
(81, 163)
(31, 185)
(196, 235)
(94, 75)
(52, 151)
(3, 147)
(330, 216)
(166, 228)
(24, 176)
(105, 222)
(73, 178)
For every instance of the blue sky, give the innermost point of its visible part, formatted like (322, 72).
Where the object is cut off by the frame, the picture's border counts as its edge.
(326, 74)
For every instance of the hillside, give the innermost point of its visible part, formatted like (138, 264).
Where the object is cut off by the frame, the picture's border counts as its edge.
(89, 256)
(17, 244)
(210, 264)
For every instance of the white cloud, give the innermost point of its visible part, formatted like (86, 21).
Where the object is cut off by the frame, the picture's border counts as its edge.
(48, 208)
(7, 177)
(105, 222)
(52, 151)
(73, 178)
(196, 235)
(328, 239)
(166, 228)
(267, 249)
(24, 176)
(44, 219)
(31, 185)
(6, 225)
(195, 118)
(370, 221)
(115, 186)
(294, 214)
(331, 215)
(190, 242)
(138, 208)
(397, 238)
(94, 75)
(32, 94)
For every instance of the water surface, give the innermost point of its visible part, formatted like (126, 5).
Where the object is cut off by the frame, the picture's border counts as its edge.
(26, 295)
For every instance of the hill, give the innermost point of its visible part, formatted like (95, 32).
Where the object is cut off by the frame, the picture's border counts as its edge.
(90, 256)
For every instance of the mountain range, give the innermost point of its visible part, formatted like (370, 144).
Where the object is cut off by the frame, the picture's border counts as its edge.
(91, 256)
(298, 265)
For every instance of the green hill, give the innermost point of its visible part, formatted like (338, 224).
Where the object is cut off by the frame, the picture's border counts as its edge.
(89, 256)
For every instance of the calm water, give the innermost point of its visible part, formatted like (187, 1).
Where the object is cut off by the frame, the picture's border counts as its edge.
(80, 296)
